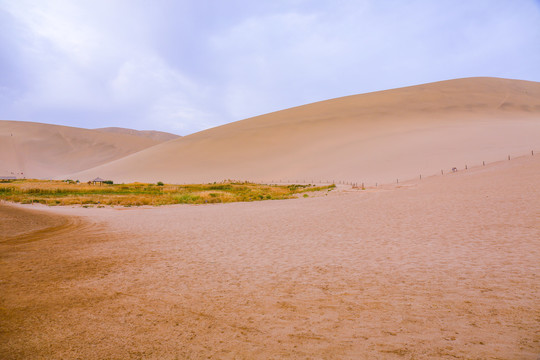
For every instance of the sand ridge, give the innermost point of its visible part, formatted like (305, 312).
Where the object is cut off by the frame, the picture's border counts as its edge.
(159, 136)
(446, 267)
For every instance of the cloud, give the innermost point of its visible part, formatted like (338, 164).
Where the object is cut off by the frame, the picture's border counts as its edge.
(261, 55)
(163, 95)
(77, 59)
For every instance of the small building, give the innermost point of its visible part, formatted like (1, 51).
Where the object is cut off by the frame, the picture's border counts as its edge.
(98, 180)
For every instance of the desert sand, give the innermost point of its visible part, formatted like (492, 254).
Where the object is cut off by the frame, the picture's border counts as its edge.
(35, 150)
(372, 138)
(440, 268)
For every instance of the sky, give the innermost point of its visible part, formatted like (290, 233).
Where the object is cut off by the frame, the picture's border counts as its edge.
(185, 66)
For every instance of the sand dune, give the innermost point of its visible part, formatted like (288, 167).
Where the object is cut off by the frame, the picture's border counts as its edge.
(375, 137)
(442, 268)
(159, 136)
(35, 150)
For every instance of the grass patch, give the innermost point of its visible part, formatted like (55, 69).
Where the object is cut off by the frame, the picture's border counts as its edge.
(53, 192)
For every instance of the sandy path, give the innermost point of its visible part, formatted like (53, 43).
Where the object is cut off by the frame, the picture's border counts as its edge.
(443, 268)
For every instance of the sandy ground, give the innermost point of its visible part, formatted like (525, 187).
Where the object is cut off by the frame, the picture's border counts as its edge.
(446, 267)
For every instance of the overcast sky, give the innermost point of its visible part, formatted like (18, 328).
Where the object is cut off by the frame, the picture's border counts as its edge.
(184, 66)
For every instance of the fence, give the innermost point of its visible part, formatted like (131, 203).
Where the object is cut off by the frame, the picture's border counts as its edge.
(363, 185)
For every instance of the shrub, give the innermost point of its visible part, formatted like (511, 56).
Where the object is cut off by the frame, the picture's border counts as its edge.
(159, 183)
(221, 187)
(186, 199)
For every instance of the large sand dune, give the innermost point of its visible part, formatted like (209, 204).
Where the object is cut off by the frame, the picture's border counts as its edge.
(35, 150)
(375, 137)
(442, 268)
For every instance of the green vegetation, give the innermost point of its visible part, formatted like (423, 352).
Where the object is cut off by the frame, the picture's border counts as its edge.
(69, 192)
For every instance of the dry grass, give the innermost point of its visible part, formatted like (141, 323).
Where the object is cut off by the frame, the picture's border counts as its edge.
(54, 192)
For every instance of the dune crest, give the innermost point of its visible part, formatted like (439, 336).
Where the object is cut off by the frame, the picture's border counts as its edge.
(160, 136)
(374, 137)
